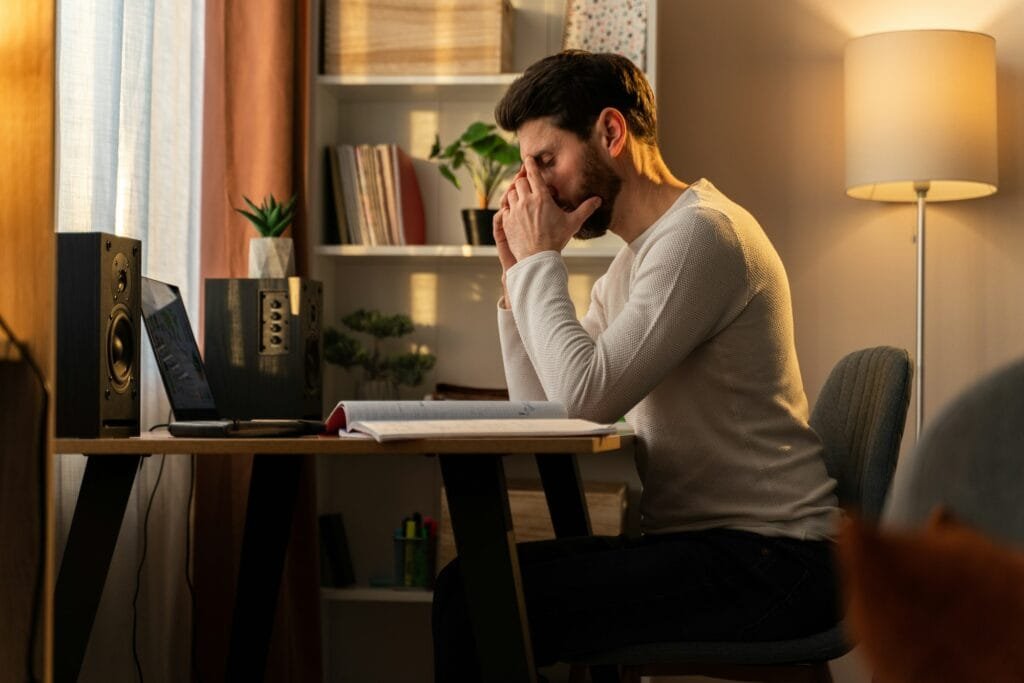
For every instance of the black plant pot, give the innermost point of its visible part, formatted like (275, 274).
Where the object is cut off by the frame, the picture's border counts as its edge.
(479, 224)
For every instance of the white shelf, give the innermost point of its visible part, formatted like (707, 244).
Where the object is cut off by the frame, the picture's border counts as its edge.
(404, 88)
(427, 80)
(372, 594)
(449, 251)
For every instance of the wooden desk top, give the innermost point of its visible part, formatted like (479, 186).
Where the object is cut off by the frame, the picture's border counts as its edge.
(159, 442)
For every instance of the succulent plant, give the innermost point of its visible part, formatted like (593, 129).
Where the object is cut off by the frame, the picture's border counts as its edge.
(270, 218)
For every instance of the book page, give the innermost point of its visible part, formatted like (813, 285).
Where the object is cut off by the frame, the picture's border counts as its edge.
(391, 430)
(348, 412)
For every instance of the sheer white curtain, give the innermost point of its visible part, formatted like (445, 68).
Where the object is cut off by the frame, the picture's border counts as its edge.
(129, 98)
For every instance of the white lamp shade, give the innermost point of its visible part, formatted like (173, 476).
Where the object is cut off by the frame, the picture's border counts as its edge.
(921, 108)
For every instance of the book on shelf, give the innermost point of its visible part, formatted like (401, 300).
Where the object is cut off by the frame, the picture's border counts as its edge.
(393, 420)
(411, 215)
(336, 231)
(350, 194)
(377, 195)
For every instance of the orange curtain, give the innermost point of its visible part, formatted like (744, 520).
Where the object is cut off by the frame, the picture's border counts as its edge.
(255, 128)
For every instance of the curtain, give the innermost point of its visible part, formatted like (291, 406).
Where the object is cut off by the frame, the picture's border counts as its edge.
(129, 100)
(255, 128)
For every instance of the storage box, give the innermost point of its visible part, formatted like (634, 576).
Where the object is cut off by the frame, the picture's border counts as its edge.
(531, 520)
(417, 37)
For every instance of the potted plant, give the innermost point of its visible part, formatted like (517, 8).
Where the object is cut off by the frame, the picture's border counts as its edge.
(382, 374)
(489, 159)
(270, 255)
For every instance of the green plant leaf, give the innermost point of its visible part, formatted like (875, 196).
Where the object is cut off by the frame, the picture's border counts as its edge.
(476, 131)
(484, 153)
(435, 149)
(342, 349)
(451, 149)
(508, 155)
(486, 145)
(447, 173)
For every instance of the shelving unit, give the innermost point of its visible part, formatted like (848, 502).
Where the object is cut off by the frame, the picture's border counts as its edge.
(451, 251)
(448, 288)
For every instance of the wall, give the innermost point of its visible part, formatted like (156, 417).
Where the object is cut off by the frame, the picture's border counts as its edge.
(751, 97)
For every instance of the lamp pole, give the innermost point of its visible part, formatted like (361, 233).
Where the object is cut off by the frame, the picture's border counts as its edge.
(921, 188)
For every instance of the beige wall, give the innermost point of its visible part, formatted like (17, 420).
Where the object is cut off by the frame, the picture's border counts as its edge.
(751, 97)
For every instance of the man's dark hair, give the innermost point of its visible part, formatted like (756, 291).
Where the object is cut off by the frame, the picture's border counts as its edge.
(572, 87)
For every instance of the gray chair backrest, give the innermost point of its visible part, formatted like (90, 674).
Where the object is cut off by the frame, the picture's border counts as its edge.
(970, 460)
(860, 415)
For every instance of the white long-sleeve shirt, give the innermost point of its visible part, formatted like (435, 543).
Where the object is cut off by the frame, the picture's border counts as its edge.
(689, 334)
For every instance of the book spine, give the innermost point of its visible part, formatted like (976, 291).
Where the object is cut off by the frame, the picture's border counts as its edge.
(364, 172)
(387, 181)
(414, 224)
(350, 189)
(337, 232)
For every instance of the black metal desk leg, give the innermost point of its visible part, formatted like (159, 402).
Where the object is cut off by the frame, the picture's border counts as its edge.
(273, 487)
(560, 475)
(482, 525)
(102, 499)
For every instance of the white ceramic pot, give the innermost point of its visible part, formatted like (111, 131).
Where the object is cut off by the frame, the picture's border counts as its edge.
(271, 257)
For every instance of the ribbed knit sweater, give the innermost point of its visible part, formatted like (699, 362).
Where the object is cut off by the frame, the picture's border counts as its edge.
(689, 334)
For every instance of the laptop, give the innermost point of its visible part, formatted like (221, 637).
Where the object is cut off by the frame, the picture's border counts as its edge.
(184, 375)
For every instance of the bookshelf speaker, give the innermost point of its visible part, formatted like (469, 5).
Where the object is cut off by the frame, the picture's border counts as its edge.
(98, 334)
(263, 348)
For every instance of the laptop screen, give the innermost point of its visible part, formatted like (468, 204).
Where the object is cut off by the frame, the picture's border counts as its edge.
(176, 351)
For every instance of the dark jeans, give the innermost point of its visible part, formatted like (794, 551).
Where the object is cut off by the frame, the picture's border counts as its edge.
(593, 593)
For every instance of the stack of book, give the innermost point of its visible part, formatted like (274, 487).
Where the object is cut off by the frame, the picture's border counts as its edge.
(377, 199)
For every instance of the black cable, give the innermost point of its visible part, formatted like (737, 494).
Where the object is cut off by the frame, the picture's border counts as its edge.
(188, 565)
(142, 559)
(142, 562)
(37, 588)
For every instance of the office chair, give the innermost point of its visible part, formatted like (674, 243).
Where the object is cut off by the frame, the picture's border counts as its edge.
(860, 416)
(970, 461)
(943, 599)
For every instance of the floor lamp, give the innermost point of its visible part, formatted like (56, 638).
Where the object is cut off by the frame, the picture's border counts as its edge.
(920, 126)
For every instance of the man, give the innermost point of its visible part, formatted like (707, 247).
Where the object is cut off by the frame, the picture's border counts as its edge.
(689, 334)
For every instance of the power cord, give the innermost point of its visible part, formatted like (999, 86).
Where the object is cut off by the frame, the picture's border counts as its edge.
(188, 566)
(138, 573)
(142, 560)
(37, 588)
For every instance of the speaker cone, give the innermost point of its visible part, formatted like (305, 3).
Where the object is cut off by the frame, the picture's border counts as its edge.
(120, 349)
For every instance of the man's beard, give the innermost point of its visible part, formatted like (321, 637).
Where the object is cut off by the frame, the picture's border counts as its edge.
(600, 180)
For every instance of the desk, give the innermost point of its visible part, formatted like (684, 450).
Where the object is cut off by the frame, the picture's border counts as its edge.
(474, 479)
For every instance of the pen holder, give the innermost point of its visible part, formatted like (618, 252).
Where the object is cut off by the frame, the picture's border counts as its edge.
(413, 561)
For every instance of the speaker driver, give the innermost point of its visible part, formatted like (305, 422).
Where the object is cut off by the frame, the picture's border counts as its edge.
(120, 349)
(120, 277)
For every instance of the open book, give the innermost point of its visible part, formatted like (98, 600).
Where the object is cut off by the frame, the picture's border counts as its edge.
(391, 420)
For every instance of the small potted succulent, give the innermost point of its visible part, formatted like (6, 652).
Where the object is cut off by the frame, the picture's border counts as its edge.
(489, 159)
(382, 373)
(270, 255)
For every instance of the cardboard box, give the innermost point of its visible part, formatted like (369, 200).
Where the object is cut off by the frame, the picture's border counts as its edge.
(531, 520)
(417, 37)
